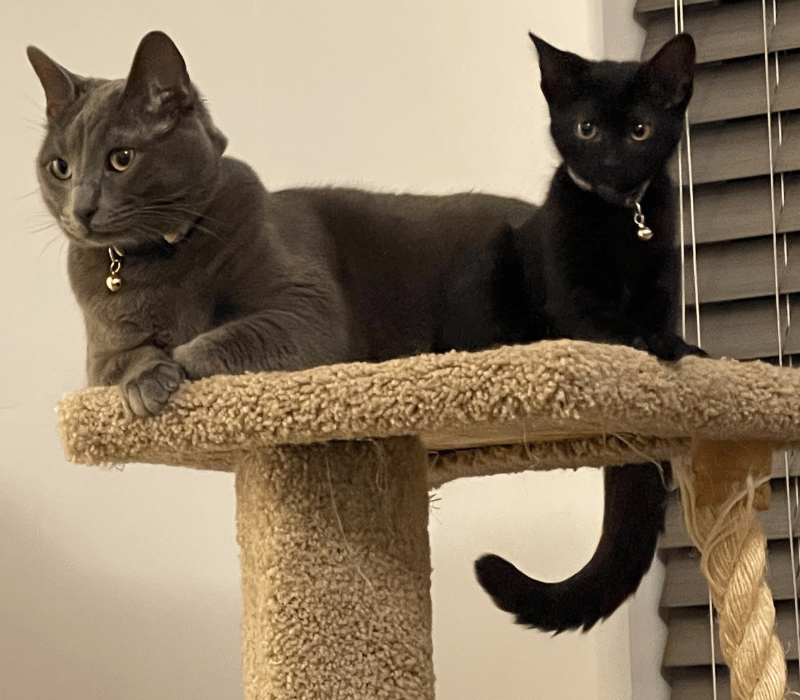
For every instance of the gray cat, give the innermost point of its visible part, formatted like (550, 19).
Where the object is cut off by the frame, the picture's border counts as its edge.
(185, 266)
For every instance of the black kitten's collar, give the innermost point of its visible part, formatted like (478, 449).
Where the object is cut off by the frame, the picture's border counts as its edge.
(628, 199)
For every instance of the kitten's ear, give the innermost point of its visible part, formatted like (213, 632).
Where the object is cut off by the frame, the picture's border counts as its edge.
(561, 70)
(158, 82)
(61, 88)
(671, 71)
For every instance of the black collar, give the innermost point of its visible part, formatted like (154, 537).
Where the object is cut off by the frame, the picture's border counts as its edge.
(160, 249)
(628, 199)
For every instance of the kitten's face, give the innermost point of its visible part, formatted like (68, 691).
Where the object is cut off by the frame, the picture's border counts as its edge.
(616, 124)
(126, 162)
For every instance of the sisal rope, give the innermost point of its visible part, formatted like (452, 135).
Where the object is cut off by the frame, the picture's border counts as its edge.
(722, 522)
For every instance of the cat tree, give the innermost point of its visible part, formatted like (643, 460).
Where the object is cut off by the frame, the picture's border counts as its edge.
(333, 467)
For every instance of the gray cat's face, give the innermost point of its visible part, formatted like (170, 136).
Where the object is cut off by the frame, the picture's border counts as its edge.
(127, 162)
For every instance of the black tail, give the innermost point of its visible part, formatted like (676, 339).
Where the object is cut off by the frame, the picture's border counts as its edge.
(635, 503)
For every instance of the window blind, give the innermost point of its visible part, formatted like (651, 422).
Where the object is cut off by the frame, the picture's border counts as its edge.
(739, 174)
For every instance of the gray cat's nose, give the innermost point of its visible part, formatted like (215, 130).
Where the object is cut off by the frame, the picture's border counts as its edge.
(85, 201)
(84, 213)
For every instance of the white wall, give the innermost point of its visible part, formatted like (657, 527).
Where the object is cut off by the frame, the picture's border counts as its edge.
(124, 585)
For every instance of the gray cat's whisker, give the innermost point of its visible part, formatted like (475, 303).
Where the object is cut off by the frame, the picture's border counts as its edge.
(42, 228)
(32, 193)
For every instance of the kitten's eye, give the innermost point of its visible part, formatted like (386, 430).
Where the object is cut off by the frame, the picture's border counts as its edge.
(640, 132)
(60, 168)
(586, 130)
(121, 159)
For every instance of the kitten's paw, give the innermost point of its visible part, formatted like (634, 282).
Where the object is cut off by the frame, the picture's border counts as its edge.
(146, 393)
(199, 358)
(694, 350)
(673, 348)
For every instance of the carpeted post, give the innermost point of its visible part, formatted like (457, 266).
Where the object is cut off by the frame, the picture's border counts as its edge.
(335, 571)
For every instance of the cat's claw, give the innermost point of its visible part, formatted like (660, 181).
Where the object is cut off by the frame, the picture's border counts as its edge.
(147, 393)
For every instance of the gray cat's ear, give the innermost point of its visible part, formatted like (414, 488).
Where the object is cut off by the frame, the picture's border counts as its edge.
(561, 70)
(158, 82)
(671, 71)
(61, 88)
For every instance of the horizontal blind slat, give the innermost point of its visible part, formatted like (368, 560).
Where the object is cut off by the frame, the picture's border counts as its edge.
(775, 521)
(725, 30)
(736, 89)
(643, 6)
(740, 149)
(745, 269)
(694, 683)
(689, 637)
(684, 585)
(743, 330)
(725, 211)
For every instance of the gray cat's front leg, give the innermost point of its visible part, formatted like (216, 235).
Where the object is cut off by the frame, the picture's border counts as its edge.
(237, 347)
(268, 341)
(201, 357)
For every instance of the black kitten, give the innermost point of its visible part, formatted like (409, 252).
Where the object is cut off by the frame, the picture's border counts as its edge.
(597, 262)
(606, 231)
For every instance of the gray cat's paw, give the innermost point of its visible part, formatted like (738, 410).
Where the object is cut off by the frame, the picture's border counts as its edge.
(199, 358)
(146, 393)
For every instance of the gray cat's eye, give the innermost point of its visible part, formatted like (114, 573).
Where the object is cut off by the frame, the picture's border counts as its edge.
(121, 159)
(586, 130)
(60, 168)
(640, 132)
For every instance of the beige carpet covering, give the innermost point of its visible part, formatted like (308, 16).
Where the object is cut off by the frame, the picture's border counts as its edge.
(335, 571)
(333, 535)
(569, 398)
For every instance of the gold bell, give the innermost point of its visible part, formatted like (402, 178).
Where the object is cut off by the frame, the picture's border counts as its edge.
(113, 283)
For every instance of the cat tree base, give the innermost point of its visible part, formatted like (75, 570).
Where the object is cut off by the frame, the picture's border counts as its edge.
(333, 467)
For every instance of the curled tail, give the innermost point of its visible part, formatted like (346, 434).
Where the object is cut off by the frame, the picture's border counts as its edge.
(635, 503)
